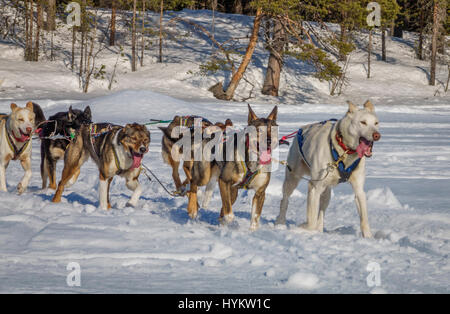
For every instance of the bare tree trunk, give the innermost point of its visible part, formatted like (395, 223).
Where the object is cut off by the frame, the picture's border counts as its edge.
(434, 44)
(112, 32)
(275, 64)
(448, 78)
(369, 50)
(133, 39)
(27, 31)
(38, 30)
(74, 37)
(161, 29)
(29, 41)
(383, 43)
(421, 29)
(217, 89)
(51, 15)
(142, 33)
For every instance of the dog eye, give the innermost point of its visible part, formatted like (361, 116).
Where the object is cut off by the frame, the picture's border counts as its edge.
(363, 122)
(376, 123)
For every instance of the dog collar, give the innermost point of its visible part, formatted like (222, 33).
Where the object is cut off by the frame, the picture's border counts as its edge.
(342, 145)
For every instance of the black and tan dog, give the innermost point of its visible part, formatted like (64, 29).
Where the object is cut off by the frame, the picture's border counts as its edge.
(174, 157)
(115, 149)
(205, 171)
(243, 172)
(63, 125)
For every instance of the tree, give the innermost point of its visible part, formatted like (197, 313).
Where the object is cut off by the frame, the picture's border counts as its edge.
(51, 15)
(275, 45)
(389, 12)
(112, 32)
(133, 39)
(228, 94)
(439, 16)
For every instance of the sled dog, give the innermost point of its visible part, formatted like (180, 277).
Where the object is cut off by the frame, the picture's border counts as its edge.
(173, 158)
(331, 152)
(244, 173)
(115, 149)
(16, 130)
(63, 125)
(203, 172)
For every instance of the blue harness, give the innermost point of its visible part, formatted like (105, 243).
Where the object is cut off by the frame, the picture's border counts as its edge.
(344, 173)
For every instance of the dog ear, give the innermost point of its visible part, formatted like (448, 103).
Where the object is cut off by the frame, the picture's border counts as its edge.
(351, 107)
(13, 107)
(369, 106)
(251, 114)
(29, 106)
(273, 115)
(70, 115)
(87, 112)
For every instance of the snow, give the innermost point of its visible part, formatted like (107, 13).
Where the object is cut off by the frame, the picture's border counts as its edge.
(156, 248)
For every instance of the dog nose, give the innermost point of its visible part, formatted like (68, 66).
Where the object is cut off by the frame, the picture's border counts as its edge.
(29, 130)
(376, 136)
(143, 150)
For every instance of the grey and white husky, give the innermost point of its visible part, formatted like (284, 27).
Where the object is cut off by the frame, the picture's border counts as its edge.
(331, 152)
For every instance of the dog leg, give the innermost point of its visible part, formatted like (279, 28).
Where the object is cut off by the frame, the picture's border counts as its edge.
(289, 185)
(133, 184)
(257, 205)
(209, 191)
(361, 206)
(74, 178)
(226, 213)
(51, 168)
(3, 167)
(44, 168)
(312, 206)
(192, 204)
(26, 165)
(103, 193)
(324, 201)
(109, 189)
(74, 158)
(175, 174)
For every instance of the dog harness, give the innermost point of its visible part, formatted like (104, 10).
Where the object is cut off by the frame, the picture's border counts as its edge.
(338, 163)
(17, 152)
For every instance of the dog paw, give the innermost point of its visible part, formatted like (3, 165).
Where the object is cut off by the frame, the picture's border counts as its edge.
(20, 188)
(254, 227)
(367, 234)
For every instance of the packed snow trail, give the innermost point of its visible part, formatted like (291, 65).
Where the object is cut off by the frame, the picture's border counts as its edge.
(156, 248)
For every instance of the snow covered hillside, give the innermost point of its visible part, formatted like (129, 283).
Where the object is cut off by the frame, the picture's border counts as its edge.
(156, 248)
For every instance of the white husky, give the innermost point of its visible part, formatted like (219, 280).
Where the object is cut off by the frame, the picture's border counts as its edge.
(331, 152)
(16, 130)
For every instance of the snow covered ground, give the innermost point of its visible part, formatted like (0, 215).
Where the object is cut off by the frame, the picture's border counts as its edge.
(156, 248)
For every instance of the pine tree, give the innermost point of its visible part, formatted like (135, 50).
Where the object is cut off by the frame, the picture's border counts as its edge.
(389, 11)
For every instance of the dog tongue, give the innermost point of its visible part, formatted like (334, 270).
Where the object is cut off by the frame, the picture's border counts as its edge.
(265, 157)
(136, 161)
(363, 148)
(23, 137)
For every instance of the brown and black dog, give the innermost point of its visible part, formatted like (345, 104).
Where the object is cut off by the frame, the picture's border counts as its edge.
(61, 124)
(174, 157)
(245, 173)
(204, 172)
(115, 149)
